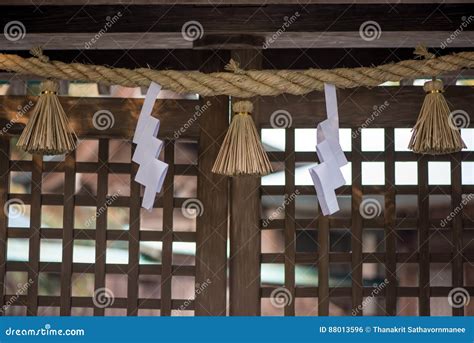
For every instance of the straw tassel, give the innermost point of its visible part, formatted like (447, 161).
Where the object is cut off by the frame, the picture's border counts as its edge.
(242, 152)
(47, 131)
(435, 132)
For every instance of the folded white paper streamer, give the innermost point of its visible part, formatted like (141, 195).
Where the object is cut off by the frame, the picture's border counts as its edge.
(152, 171)
(327, 175)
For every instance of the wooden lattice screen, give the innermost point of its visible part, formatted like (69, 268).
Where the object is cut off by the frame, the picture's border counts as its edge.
(103, 201)
(406, 238)
(210, 232)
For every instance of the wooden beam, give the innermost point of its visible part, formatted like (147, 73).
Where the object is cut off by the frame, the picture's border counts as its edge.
(188, 59)
(394, 106)
(244, 260)
(229, 41)
(213, 192)
(174, 114)
(215, 19)
(4, 190)
(295, 40)
(224, 2)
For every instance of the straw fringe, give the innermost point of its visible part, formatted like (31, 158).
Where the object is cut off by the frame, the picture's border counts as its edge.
(242, 152)
(435, 132)
(47, 131)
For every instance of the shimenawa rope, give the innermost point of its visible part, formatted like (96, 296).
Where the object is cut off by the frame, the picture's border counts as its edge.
(238, 83)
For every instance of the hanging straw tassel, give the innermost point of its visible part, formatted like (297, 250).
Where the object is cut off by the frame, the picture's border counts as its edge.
(242, 152)
(47, 131)
(435, 132)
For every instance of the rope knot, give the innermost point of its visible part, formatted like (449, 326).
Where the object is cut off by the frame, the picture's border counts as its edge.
(38, 53)
(234, 67)
(242, 107)
(422, 51)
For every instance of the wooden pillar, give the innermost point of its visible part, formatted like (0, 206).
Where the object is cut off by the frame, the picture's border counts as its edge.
(457, 226)
(4, 190)
(133, 242)
(323, 265)
(389, 225)
(213, 192)
(17, 87)
(244, 261)
(357, 224)
(423, 238)
(167, 250)
(68, 233)
(101, 224)
(290, 225)
(35, 236)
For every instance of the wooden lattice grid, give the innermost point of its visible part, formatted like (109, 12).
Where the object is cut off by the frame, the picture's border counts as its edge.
(103, 201)
(391, 258)
(322, 258)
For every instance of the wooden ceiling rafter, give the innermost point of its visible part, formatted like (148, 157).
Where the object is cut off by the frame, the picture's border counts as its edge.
(296, 25)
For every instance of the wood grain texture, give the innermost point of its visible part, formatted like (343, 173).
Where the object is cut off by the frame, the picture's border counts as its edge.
(4, 190)
(133, 243)
(290, 225)
(395, 106)
(190, 59)
(167, 245)
(101, 226)
(290, 40)
(35, 236)
(423, 238)
(323, 265)
(244, 260)
(266, 18)
(224, 2)
(457, 206)
(356, 226)
(213, 192)
(68, 233)
(173, 114)
(389, 225)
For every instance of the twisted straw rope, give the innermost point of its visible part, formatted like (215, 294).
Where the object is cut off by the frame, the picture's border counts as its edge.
(240, 83)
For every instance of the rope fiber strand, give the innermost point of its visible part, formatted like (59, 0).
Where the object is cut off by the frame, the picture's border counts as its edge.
(239, 83)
